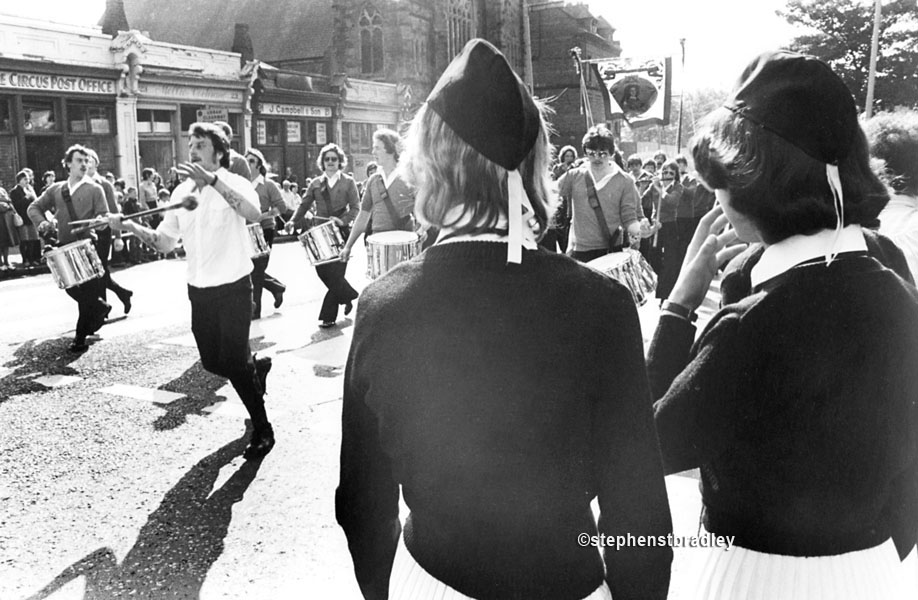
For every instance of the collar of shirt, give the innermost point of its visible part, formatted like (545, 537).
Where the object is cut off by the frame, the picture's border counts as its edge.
(333, 179)
(74, 187)
(257, 180)
(388, 178)
(786, 254)
(606, 178)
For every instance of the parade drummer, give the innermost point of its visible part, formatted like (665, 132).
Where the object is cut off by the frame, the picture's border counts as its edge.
(334, 196)
(603, 200)
(217, 249)
(500, 421)
(387, 199)
(77, 198)
(271, 202)
(797, 403)
(104, 237)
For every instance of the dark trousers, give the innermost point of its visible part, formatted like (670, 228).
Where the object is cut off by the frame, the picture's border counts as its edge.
(260, 279)
(220, 318)
(103, 247)
(669, 258)
(339, 290)
(92, 306)
(30, 250)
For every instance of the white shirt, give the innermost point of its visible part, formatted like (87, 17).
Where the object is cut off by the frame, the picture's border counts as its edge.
(899, 222)
(388, 178)
(334, 178)
(215, 236)
(788, 253)
(74, 187)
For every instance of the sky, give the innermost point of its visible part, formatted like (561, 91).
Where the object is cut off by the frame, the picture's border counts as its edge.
(721, 36)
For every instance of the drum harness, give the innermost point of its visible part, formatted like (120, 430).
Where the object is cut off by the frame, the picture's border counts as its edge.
(68, 202)
(402, 223)
(613, 240)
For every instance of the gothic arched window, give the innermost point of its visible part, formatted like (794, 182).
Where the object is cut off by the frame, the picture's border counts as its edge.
(371, 41)
(458, 25)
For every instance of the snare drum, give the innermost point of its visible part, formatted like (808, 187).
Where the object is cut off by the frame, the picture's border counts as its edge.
(629, 268)
(387, 249)
(259, 246)
(74, 264)
(323, 243)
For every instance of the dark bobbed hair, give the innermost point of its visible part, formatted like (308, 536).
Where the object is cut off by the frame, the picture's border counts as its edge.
(47, 174)
(262, 168)
(599, 137)
(342, 158)
(783, 190)
(449, 174)
(390, 140)
(217, 137)
(372, 167)
(23, 174)
(74, 149)
(146, 173)
(671, 165)
(893, 139)
(634, 159)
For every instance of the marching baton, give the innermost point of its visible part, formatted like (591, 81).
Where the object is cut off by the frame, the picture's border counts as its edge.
(188, 203)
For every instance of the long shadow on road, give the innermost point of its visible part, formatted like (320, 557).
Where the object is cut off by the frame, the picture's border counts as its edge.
(177, 546)
(32, 359)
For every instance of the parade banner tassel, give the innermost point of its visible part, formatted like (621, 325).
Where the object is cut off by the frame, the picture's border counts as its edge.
(639, 90)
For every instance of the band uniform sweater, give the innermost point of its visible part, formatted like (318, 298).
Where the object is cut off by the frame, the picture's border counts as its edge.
(88, 202)
(502, 406)
(799, 403)
(400, 194)
(269, 196)
(343, 199)
(618, 199)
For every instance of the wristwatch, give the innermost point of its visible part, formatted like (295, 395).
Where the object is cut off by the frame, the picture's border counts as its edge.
(680, 311)
(214, 182)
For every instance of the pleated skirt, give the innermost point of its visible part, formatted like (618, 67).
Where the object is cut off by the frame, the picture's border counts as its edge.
(742, 574)
(409, 581)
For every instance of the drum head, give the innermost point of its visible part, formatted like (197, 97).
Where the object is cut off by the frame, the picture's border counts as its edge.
(386, 238)
(605, 264)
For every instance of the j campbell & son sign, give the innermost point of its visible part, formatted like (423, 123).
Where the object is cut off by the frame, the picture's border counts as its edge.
(55, 83)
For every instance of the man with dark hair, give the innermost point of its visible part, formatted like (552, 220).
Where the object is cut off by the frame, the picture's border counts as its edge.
(105, 239)
(603, 199)
(237, 162)
(219, 266)
(76, 198)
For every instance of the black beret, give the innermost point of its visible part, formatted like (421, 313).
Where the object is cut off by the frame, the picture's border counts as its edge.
(487, 105)
(800, 99)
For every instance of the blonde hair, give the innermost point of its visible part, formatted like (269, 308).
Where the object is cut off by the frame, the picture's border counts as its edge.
(448, 173)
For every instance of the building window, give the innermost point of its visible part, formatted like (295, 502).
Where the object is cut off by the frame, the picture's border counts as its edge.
(359, 136)
(38, 115)
(6, 124)
(371, 42)
(458, 25)
(88, 118)
(154, 121)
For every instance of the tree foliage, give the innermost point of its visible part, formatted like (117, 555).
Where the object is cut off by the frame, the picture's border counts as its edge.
(840, 33)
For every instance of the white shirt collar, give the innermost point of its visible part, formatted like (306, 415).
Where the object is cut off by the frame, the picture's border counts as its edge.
(786, 254)
(334, 178)
(388, 177)
(257, 180)
(73, 188)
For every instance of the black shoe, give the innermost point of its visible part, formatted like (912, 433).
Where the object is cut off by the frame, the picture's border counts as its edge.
(78, 346)
(326, 324)
(278, 299)
(262, 368)
(261, 443)
(99, 321)
(126, 301)
(348, 308)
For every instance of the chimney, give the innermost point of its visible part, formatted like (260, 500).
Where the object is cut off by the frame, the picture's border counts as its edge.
(114, 19)
(242, 43)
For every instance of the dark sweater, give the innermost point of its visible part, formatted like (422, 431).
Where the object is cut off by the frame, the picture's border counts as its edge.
(800, 405)
(503, 398)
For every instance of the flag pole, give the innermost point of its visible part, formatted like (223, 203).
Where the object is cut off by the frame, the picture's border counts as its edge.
(682, 98)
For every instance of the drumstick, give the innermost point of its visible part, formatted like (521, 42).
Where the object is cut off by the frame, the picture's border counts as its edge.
(188, 203)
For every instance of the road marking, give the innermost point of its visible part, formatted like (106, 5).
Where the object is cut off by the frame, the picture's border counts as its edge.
(57, 380)
(141, 393)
